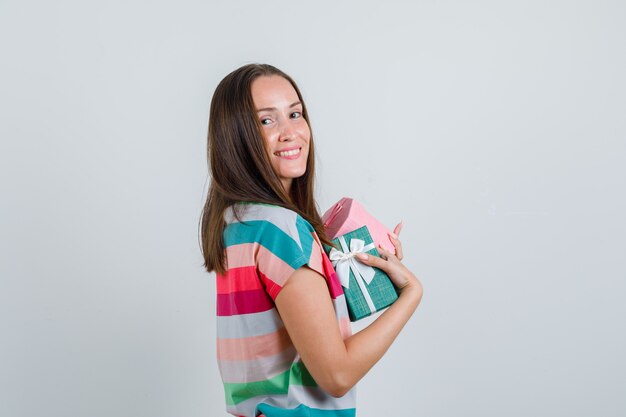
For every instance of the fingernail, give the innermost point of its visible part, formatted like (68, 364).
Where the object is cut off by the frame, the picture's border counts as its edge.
(361, 256)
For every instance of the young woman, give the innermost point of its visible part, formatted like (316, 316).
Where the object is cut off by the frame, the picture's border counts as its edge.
(284, 345)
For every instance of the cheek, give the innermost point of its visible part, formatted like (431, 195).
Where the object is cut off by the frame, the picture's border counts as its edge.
(305, 132)
(269, 140)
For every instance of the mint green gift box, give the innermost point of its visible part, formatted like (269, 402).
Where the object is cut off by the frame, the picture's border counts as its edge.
(367, 289)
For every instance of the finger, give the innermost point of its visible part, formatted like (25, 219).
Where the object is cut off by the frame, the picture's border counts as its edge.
(397, 245)
(398, 228)
(382, 252)
(371, 260)
(386, 252)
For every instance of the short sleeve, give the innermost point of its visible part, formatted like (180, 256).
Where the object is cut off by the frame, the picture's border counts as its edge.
(285, 245)
(276, 240)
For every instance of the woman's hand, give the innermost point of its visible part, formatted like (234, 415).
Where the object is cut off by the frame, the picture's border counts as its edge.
(390, 263)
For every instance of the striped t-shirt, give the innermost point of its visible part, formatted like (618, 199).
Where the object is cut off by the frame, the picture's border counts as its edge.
(260, 368)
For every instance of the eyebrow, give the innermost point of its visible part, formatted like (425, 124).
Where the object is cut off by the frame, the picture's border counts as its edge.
(294, 104)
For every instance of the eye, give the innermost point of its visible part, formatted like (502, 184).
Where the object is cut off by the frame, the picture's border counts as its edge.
(266, 121)
(296, 114)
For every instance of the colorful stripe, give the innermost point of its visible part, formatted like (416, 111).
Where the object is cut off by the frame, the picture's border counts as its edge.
(296, 375)
(257, 369)
(270, 236)
(245, 325)
(243, 278)
(280, 217)
(253, 347)
(315, 397)
(243, 302)
(304, 411)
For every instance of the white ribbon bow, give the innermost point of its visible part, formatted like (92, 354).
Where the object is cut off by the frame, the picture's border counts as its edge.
(344, 261)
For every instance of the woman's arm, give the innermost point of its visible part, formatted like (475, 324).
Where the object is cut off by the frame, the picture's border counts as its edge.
(306, 309)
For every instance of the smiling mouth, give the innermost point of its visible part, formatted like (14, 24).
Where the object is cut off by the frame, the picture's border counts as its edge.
(289, 153)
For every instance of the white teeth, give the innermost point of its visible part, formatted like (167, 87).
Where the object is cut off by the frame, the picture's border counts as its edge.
(288, 153)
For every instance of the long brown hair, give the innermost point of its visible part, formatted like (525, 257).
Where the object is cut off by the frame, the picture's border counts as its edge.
(240, 166)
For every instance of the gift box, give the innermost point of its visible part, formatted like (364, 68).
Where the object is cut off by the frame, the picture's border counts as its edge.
(347, 215)
(367, 289)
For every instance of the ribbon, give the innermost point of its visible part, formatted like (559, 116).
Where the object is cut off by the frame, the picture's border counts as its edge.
(344, 260)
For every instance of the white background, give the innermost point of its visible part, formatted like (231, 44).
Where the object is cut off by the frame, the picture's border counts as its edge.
(495, 130)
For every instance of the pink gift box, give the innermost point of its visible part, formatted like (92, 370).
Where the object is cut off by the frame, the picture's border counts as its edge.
(348, 215)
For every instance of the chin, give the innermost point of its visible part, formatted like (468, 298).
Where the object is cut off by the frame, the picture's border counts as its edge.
(297, 174)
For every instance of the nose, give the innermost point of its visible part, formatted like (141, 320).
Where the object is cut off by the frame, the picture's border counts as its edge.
(287, 132)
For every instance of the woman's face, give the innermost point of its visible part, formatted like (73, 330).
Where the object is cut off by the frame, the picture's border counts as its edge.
(286, 133)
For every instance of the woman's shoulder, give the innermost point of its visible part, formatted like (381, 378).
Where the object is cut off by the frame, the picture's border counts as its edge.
(258, 214)
(262, 222)
(282, 232)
